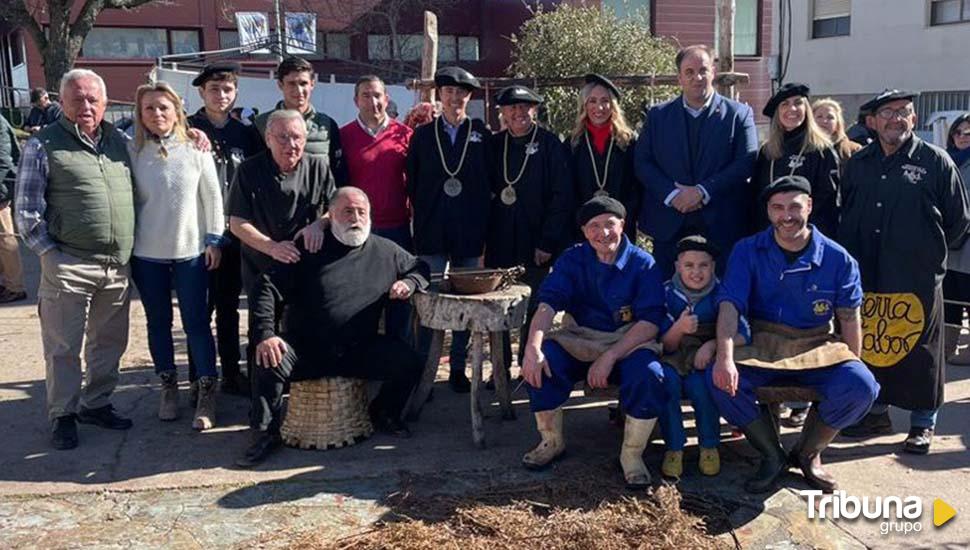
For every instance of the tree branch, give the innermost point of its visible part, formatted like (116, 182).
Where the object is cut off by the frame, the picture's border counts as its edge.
(16, 12)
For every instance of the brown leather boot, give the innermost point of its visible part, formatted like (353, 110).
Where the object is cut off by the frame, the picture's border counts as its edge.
(549, 424)
(168, 399)
(807, 455)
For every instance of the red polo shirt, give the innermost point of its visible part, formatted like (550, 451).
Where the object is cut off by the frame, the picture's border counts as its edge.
(377, 165)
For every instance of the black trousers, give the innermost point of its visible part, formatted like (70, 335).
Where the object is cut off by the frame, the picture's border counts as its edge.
(225, 287)
(956, 286)
(381, 358)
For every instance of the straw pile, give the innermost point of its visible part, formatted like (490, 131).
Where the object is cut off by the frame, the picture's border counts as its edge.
(522, 518)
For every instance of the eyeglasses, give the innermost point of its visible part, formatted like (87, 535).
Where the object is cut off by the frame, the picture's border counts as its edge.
(286, 139)
(889, 114)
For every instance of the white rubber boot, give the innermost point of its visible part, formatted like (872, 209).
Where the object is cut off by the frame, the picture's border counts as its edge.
(549, 424)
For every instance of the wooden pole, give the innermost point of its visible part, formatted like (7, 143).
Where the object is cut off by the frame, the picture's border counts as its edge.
(280, 43)
(725, 43)
(429, 56)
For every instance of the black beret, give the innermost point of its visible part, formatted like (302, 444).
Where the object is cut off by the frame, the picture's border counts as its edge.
(593, 78)
(784, 184)
(517, 94)
(600, 205)
(213, 68)
(870, 107)
(787, 90)
(456, 76)
(698, 243)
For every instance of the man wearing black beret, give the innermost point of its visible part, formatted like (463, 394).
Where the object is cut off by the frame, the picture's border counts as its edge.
(614, 292)
(532, 190)
(232, 142)
(904, 204)
(449, 187)
(790, 281)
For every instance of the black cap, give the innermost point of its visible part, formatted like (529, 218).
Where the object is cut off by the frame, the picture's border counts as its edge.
(784, 184)
(593, 78)
(870, 107)
(517, 94)
(456, 76)
(787, 90)
(213, 68)
(698, 243)
(600, 205)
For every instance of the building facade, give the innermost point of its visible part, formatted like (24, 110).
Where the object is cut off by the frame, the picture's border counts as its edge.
(853, 49)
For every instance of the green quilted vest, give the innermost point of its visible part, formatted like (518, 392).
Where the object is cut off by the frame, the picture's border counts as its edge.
(90, 195)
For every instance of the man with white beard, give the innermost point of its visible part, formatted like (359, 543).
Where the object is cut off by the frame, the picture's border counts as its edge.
(334, 298)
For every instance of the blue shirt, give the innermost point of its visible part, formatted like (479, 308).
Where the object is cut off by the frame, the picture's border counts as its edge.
(605, 296)
(803, 294)
(705, 309)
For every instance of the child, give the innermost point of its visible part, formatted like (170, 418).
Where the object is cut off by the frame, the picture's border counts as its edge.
(689, 347)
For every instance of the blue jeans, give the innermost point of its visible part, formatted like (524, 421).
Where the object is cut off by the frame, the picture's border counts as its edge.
(459, 339)
(706, 416)
(639, 375)
(918, 418)
(154, 280)
(848, 389)
(397, 316)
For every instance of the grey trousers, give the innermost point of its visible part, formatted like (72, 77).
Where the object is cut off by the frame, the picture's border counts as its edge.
(81, 301)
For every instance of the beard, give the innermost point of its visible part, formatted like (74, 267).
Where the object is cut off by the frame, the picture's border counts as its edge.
(350, 235)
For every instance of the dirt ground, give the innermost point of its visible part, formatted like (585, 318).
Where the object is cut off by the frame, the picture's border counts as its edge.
(164, 485)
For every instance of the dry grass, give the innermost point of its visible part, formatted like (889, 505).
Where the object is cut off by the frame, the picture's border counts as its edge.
(586, 514)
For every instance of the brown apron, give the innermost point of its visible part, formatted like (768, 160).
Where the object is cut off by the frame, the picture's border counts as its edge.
(775, 346)
(682, 360)
(586, 344)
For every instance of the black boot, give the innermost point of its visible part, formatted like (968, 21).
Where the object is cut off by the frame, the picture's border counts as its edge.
(762, 436)
(807, 454)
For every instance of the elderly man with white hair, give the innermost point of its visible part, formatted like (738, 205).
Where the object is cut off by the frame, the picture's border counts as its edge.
(74, 208)
(334, 298)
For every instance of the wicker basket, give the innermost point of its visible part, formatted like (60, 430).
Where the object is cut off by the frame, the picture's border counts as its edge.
(328, 413)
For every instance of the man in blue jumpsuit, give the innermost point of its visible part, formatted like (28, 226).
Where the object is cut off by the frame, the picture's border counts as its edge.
(614, 292)
(790, 280)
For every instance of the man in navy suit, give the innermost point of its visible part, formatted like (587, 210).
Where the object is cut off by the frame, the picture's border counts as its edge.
(694, 158)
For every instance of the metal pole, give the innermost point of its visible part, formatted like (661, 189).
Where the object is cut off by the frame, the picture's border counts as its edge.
(280, 45)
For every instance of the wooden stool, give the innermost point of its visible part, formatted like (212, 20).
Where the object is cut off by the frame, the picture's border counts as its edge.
(328, 413)
(489, 314)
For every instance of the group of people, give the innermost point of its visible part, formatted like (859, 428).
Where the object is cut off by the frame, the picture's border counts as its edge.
(810, 260)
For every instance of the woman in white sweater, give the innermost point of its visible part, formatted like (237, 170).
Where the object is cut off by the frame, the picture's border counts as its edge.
(178, 230)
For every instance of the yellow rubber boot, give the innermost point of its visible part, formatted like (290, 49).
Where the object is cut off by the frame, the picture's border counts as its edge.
(552, 445)
(636, 434)
(673, 464)
(710, 462)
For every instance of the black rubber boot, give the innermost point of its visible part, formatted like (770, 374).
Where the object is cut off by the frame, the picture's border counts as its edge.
(762, 436)
(807, 455)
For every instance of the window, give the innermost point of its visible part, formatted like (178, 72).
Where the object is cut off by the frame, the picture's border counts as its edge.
(228, 39)
(745, 27)
(949, 11)
(627, 8)
(133, 43)
(468, 48)
(447, 48)
(378, 47)
(338, 46)
(831, 18)
(409, 47)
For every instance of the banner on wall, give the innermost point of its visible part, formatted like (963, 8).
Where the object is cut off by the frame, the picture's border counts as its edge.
(301, 33)
(253, 28)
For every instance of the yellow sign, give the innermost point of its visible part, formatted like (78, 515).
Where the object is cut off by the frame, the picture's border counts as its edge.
(942, 512)
(892, 323)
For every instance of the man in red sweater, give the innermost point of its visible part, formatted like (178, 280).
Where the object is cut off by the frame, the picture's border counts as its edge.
(375, 148)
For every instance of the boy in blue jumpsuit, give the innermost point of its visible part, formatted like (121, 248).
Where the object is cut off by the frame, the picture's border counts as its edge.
(689, 348)
(614, 292)
(790, 280)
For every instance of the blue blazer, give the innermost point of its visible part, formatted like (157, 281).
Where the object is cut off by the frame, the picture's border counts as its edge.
(728, 147)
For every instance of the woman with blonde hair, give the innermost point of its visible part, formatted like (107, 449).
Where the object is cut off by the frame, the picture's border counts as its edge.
(829, 118)
(601, 149)
(178, 230)
(797, 147)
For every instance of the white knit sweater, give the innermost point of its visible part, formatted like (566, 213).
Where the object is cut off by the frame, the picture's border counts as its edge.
(177, 200)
